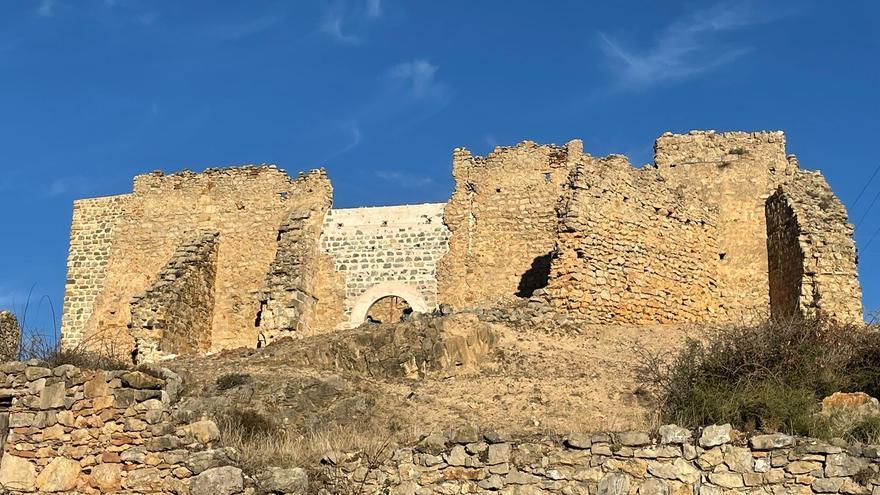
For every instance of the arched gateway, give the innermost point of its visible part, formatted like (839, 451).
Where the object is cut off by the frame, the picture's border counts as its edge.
(366, 300)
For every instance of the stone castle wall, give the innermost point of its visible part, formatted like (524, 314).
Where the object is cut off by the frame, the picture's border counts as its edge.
(394, 248)
(684, 240)
(632, 250)
(813, 267)
(173, 316)
(734, 172)
(91, 238)
(503, 220)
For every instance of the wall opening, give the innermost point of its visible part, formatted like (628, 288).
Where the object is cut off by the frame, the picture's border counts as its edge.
(536, 277)
(389, 309)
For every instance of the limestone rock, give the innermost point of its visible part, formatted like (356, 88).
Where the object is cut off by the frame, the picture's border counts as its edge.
(201, 461)
(293, 481)
(843, 465)
(674, 434)
(17, 473)
(633, 438)
(141, 380)
(727, 479)
(653, 486)
(771, 441)
(107, 477)
(578, 441)
(226, 480)
(716, 435)
(60, 475)
(433, 444)
(614, 484)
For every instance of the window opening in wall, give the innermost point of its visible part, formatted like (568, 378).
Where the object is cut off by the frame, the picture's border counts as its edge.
(389, 309)
(548, 177)
(282, 195)
(498, 190)
(721, 256)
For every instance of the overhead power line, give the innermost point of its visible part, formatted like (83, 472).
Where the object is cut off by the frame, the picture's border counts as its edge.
(865, 187)
(865, 214)
(874, 236)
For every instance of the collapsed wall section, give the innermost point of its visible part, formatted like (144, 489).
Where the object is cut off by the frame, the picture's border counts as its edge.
(301, 294)
(386, 246)
(245, 204)
(10, 336)
(734, 172)
(91, 238)
(173, 316)
(502, 219)
(812, 256)
(632, 250)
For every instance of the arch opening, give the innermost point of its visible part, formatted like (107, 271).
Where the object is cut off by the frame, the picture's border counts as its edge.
(406, 296)
(389, 309)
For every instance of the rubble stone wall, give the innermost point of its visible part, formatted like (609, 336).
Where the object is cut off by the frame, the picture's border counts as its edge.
(734, 172)
(80, 431)
(812, 266)
(173, 316)
(503, 221)
(382, 245)
(671, 462)
(632, 250)
(91, 238)
(10, 336)
(294, 281)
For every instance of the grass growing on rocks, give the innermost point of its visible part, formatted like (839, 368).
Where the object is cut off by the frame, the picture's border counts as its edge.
(770, 376)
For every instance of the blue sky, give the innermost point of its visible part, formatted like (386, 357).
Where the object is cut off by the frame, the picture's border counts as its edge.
(93, 92)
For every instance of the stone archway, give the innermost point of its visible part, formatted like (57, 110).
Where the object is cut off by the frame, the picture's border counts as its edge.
(404, 291)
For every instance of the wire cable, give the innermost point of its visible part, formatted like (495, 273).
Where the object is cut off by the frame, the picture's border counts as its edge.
(873, 202)
(865, 187)
(874, 236)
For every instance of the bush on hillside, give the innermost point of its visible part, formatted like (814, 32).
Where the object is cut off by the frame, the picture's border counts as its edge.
(769, 376)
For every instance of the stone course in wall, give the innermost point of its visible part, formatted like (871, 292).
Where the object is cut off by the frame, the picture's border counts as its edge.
(671, 461)
(503, 221)
(173, 316)
(10, 336)
(734, 172)
(389, 246)
(813, 260)
(630, 249)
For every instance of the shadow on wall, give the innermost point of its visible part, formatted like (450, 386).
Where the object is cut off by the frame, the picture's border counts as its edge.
(536, 277)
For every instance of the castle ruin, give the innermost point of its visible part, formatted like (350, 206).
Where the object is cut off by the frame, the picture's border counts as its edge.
(722, 226)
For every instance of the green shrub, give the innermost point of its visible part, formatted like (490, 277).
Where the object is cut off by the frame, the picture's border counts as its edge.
(769, 376)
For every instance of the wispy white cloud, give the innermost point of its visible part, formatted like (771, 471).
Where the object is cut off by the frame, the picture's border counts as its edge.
(46, 8)
(248, 27)
(419, 80)
(689, 46)
(345, 20)
(374, 8)
(73, 186)
(404, 179)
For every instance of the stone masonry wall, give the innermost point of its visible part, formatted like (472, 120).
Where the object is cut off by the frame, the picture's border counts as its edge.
(173, 316)
(672, 461)
(291, 289)
(632, 250)
(734, 172)
(91, 237)
(90, 432)
(10, 336)
(385, 246)
(813, 262)
(245, 204)
(502, 216)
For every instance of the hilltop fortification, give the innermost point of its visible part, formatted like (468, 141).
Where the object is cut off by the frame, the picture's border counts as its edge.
(722, 226)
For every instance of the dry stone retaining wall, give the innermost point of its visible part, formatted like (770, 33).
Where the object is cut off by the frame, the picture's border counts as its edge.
(813, 267)
(671, 462)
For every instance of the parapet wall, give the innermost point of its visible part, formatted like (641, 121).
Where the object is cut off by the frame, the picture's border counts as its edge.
(632, 250)
(813, 268)
(503, 221)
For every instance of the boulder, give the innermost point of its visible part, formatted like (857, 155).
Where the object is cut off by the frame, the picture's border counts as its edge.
(293, 481)
(674, 434)
(141, 380)
(107, 477)
(716, 435)
(653, 486)
(614, 484)
(226, 480)
(60, 475)
(578, 441)
(771, 442)
(17, 473)
(633, 438)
